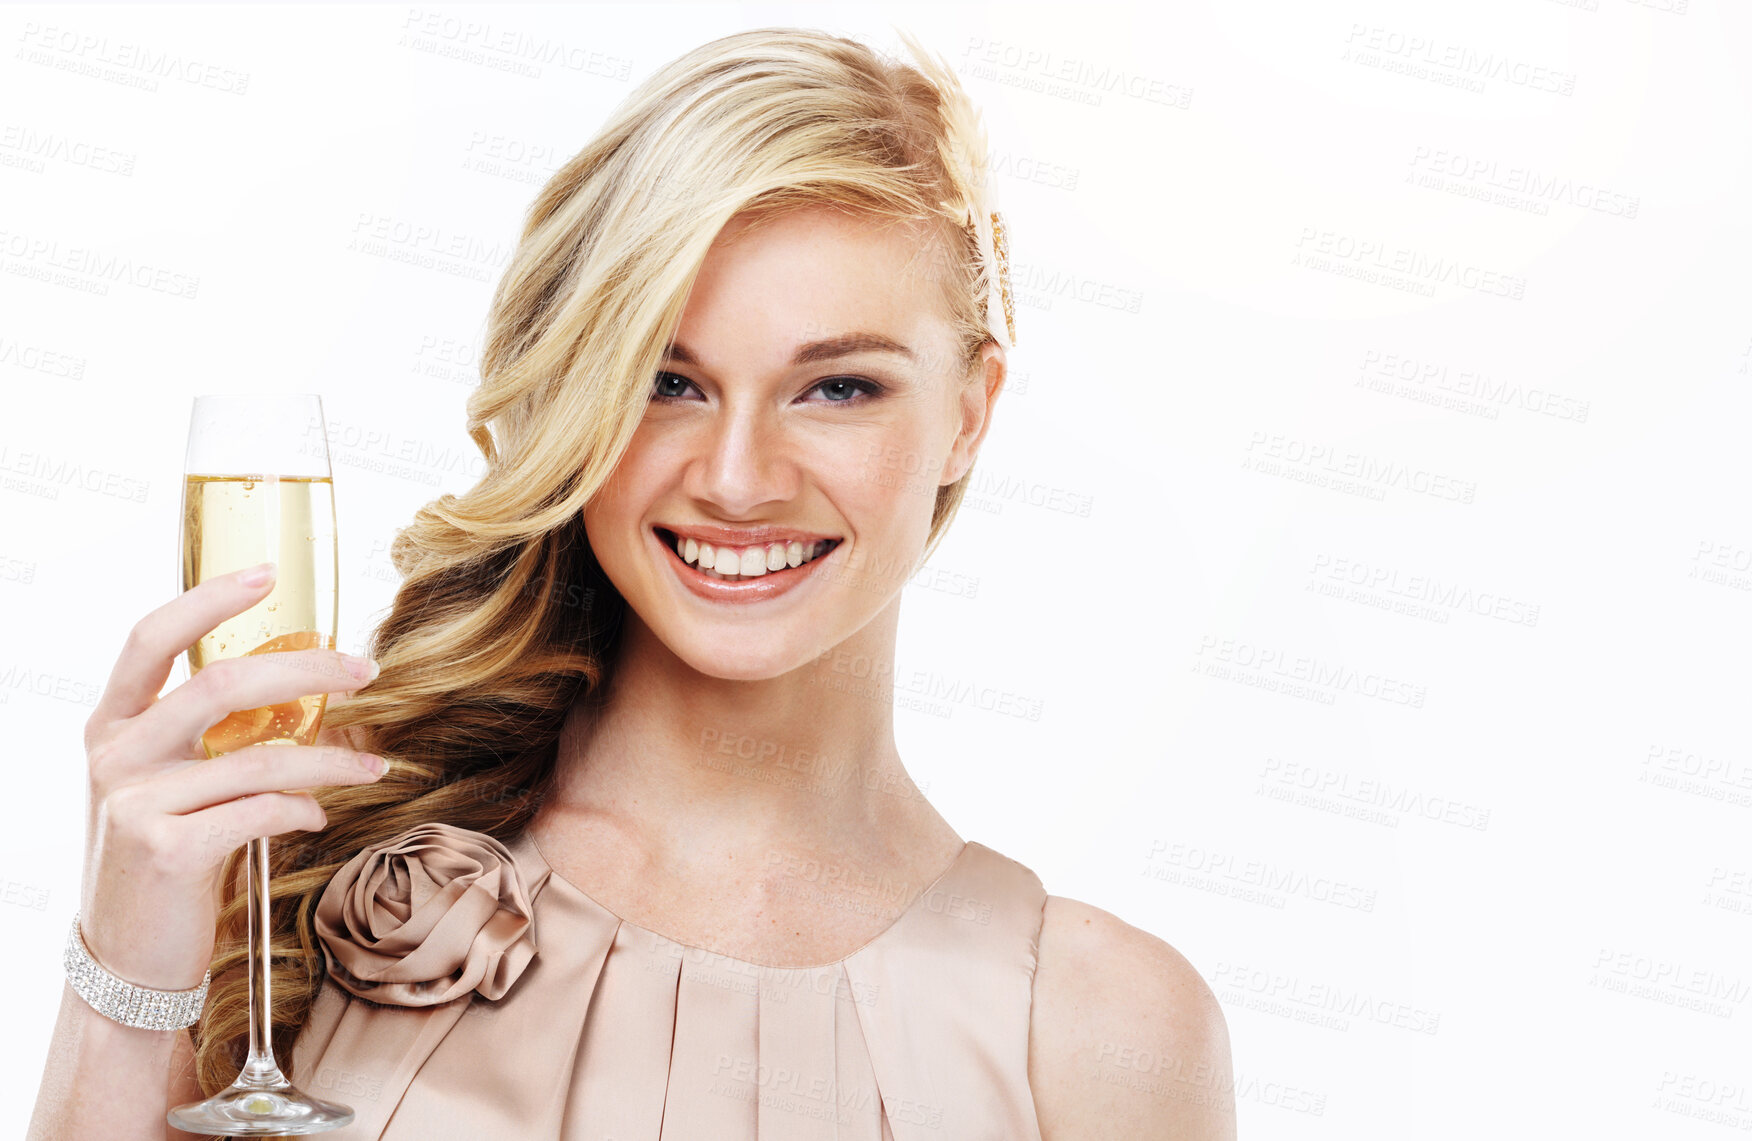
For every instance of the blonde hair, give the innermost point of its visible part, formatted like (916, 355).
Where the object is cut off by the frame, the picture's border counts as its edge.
(503, 618)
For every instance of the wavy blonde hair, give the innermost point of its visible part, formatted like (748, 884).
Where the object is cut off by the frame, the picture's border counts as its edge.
(503, 618)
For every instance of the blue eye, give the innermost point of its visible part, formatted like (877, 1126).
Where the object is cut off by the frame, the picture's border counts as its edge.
(661, 377)
(869, 388)
(846, 388)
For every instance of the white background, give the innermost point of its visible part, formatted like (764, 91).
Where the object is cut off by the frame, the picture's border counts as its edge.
(1367, 522)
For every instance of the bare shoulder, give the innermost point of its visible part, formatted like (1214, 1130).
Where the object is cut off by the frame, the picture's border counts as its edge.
(1126, 1039)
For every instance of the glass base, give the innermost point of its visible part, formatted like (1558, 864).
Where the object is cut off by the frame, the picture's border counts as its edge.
(260, 1110)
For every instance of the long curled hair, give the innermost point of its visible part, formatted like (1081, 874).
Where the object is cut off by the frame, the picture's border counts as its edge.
(503, 618)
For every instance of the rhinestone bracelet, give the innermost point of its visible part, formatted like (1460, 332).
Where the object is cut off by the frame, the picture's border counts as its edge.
(122, 1001)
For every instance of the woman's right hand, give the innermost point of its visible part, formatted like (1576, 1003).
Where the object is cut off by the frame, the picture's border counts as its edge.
(161, 818)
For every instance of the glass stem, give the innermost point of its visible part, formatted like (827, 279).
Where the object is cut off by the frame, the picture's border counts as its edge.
(260, 1069)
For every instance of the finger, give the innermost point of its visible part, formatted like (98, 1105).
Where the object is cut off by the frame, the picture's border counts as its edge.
(198, 785)
(155, 641)
(216, 831)
(332, 734)
(252, 681)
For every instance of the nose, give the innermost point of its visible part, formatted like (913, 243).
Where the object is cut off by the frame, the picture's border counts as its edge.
(741, 464)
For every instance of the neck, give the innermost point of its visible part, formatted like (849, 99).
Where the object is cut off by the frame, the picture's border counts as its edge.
(681, 762)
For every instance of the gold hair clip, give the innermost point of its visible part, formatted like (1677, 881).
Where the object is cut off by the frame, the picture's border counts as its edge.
(1001, 247)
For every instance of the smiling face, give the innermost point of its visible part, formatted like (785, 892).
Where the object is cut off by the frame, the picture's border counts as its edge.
(812, 403)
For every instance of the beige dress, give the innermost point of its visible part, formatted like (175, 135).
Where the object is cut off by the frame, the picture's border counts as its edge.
(475, 994)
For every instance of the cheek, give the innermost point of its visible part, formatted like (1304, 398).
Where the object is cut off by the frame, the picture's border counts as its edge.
(888, 484)
(640, 468)
(611, 518)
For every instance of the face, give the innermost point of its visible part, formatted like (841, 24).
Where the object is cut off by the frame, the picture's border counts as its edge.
(812, 403)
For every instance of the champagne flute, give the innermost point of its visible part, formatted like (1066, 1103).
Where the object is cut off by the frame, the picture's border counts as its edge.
(257, 488)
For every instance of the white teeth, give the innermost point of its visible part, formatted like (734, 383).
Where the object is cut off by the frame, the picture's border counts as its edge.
(748, 562)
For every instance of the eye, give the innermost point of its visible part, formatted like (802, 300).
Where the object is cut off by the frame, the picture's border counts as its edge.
(849, 386)
(658, 391)
(669, 386)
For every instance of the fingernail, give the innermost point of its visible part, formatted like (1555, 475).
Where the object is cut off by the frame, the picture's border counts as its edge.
(362, 668)
(372, 762)
(257, 575)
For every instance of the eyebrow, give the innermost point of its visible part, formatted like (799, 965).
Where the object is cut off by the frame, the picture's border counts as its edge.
(833, 347)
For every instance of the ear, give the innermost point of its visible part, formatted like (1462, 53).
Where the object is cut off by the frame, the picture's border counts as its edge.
(974, 407)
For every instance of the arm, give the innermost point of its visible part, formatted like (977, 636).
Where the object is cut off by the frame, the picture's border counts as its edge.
(106, 1080)
(1126, 1039)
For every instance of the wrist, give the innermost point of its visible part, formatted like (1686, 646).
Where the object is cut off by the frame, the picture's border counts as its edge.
(124, 1002)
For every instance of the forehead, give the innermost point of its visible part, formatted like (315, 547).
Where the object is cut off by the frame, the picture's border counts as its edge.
(823, 221)
(772, 281)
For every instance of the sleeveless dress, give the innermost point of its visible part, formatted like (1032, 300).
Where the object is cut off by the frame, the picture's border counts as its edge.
(474, 994)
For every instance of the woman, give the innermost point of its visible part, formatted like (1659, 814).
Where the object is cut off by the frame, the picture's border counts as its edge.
(645, 861)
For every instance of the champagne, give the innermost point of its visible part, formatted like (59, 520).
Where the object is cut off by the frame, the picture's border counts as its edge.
(235, 521)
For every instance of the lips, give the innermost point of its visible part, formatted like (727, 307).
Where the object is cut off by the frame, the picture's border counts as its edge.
(674, 542)
(753, 588)
(740, 536)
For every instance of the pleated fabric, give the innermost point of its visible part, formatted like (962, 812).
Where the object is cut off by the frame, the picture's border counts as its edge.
(615, 1033)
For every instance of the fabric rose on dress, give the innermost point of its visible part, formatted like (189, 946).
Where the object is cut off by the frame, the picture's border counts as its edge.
(426, 917)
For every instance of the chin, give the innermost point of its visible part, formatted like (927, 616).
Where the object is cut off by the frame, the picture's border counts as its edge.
(741, 666)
